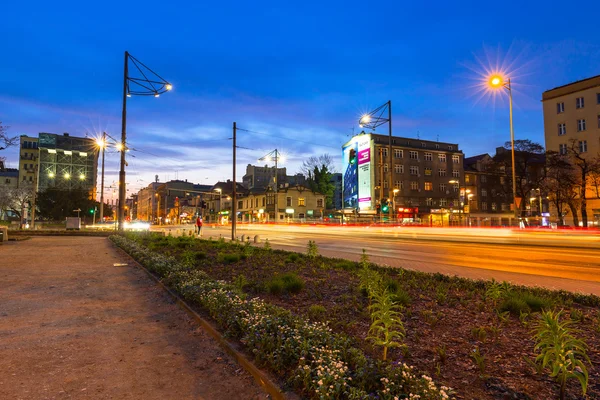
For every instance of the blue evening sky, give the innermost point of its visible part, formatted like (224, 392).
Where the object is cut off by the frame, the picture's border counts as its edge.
(298, 73)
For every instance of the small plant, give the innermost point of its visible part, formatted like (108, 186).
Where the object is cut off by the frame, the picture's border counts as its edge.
(478, 360)
(228, 258)
(317, 312)
(503, 316)
(275, 286)
(515, 305)
(401, 297)
(312, 251)
(240, 282)
(364, 259)
(497, 290)
(441, 295)
(495, 331)
(429, 317)
(523, 317)
(479, 333)
(387, 329)
(289, 283)
(248, 250)
(267, 245)
(559, 351)
(345, 265)
(293, 257)
(577, 315)
(441, 353)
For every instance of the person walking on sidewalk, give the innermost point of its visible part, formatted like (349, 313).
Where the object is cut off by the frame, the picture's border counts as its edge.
(199, 225)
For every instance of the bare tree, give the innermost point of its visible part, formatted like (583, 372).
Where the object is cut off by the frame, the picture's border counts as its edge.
(16, 200)
(309, 165)
(586, 168)
(5, 140)
(561, 185)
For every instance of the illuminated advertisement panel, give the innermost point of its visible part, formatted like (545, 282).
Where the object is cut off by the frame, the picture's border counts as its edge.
(357, 176)
(350, 174)
(364, 172)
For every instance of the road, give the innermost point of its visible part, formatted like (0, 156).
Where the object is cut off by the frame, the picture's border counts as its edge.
(555, 260)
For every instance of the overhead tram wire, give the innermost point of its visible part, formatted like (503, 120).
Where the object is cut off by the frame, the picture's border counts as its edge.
(287, 138)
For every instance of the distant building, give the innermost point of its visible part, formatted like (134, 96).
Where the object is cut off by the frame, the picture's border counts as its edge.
(9, 177)
(421, 170)
(262, 177)
(336, 179)
(28, 161)
(572, 117)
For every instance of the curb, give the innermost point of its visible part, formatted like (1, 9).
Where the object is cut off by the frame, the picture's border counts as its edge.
(271, 388)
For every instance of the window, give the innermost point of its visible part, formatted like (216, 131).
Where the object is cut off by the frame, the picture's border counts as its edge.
(319, 202)
(385, 183)
(456, 159)
(442, 172)
(443, 202)
(450, 148)
(385, 167)
(455, 187)
(583, 146)
(468, 178)
(428, 156)
(301, 202)
(456, 173)
(427, 171)
(562, 129)
(384, 151)
(399, 169)
(429, 201)
(264, 200)
(240, 204)
(580, 125)
(31, 177)
(414, 170)
(288, 202)
(414, 185)
(442, 157)
(414, 155)
(483, 206)
(494, 207)
(483, 193)
(398, 153)
(428, 186)
(398, 185)
(562, 148)
(503, 180)
(598, 98)
(504, 207)
(483, 179)
(560, 108)
(579, 102)
(443, 187)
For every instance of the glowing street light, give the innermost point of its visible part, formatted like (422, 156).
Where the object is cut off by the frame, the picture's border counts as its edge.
(496, 82)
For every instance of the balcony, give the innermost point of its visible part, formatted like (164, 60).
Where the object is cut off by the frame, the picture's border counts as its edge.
(29, 157)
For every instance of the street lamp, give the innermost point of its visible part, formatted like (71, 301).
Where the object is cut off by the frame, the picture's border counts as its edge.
(456, 182)
(101, 142)
(374, 119)
(275, 155)
(497, 82)
(153, 86)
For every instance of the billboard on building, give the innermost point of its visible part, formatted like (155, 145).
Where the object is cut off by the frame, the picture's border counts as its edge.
(358, 171)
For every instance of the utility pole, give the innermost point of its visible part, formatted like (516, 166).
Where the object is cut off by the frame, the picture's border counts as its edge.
(102, 179)
(233, 195)
(276, 184)
(34, 192)
(122, 193)
(381, 184)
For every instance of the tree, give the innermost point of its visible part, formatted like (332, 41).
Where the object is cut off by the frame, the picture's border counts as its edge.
(55, 204)
(5, 140)
(586, 169)
(309, 164)
(561, 185)
(16, 200)
(529, 167)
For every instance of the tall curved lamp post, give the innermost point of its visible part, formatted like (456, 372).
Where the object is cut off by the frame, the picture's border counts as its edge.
(372, 120)
(497, 82)
(151, 84)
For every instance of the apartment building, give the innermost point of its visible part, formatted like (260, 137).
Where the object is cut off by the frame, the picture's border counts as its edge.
(28, 161)
(572, 118)
(425, 175)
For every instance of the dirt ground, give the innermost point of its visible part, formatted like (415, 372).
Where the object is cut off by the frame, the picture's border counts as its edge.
(74, 326)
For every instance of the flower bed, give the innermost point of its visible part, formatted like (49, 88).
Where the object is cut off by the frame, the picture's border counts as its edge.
(308, 355)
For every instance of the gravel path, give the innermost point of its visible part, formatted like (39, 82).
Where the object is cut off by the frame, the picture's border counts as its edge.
(74, 326)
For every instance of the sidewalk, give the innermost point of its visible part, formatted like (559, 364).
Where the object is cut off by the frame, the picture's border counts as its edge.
(74, 326)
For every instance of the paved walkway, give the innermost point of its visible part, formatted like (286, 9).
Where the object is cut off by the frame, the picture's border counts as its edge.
(74, 326)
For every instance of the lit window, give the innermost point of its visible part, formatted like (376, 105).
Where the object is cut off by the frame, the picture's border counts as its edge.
(398, 185)
(580, 125)
(301, 202)
(484, 206)
(427, 171)
(483, 193)
(428, 186)
(579, 102)
(429, 201)
(456, 173)
(443, 202)
(562, 129)
(483, 179)
(560, 108)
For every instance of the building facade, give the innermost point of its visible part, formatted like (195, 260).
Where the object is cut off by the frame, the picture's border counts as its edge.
(572, 120)
(28, 161)
(262, 177)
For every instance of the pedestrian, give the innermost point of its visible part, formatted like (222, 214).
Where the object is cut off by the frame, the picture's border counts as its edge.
(199, 225)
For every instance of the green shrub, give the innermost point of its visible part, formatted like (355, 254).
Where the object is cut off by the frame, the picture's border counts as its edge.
(275, 286)
(293, 257)
(345, 265)
(514, 305)
(317, 312)
(312, 251)
(401, 297)
(292, 283)
(536, 303)
(228, 258)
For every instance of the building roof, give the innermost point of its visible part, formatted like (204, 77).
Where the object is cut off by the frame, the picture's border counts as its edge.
(571, 87)
(10, 172)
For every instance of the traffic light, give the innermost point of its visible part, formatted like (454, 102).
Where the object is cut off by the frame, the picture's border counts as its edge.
(203, 204)
(352, 156)
(92, 211)
(385, 206)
